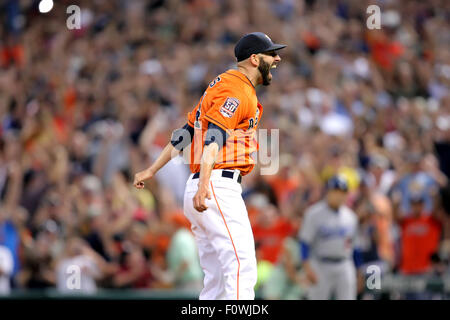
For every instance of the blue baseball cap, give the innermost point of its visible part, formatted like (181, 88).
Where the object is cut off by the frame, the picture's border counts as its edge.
(337, 183)
(255, 42)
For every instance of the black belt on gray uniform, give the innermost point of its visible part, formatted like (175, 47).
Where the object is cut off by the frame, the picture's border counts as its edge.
(225, 174)
(331, 259)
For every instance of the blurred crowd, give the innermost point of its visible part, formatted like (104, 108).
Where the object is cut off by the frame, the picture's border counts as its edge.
(82, 110)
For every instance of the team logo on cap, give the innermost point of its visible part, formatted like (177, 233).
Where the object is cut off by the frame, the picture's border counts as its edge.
(229, 107)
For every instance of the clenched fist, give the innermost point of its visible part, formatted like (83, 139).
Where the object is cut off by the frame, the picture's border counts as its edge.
(199, 198)
(141, 176)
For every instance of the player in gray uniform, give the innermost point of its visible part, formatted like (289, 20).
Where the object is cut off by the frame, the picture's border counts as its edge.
(327, 245)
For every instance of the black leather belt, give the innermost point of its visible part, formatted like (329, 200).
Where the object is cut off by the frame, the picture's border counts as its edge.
(332, 259)
(225, 174)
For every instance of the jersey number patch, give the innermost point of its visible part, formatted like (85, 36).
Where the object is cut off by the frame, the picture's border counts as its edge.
(253, 122)
(212, 84)
(229, 107)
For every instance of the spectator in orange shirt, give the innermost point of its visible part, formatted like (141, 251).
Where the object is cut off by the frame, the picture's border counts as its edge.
(270, 231)
(420, 235)
(285, 183)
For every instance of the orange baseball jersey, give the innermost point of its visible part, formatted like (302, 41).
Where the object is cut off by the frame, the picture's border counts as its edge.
(229, 102)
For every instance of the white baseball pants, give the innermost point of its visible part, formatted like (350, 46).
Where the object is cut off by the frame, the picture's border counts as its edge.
(338, 278)
(224, 239)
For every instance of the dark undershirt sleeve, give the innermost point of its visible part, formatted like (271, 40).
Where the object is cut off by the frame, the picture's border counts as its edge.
(182, 137)
(215, 134)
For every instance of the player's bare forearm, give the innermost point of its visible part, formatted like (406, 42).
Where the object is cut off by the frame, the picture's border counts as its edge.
(210, 153)
(166, 155)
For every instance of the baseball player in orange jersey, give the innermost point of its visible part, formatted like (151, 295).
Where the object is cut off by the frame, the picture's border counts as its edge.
(221, 132)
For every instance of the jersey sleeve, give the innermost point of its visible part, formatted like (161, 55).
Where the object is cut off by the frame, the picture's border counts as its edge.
(228, 108)
(182, 137)
(194, 115)
(191, 117)
(308, 228)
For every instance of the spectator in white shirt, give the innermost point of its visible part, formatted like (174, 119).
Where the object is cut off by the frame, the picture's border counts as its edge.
(6, 269)
(79, 270)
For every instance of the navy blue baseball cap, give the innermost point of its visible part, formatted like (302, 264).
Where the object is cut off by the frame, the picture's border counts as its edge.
(252, 43)
(337, 183)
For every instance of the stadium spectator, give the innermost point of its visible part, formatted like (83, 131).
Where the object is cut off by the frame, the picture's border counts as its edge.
(286, 280)
(420, 235)
(182, 259)
(80, 268)
(6, 268)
